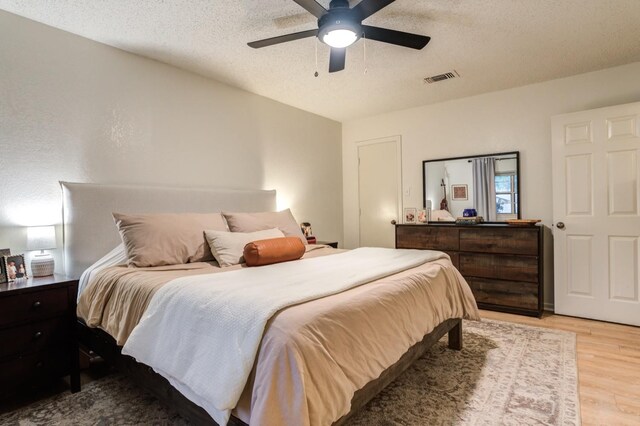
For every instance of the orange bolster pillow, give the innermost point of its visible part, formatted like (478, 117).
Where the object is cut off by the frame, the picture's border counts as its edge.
(274, 250)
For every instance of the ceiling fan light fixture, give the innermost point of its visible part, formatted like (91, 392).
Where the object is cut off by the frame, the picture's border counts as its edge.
(340, 38)
(340, 26)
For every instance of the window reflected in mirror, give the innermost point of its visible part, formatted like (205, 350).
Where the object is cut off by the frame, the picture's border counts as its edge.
(506, 195)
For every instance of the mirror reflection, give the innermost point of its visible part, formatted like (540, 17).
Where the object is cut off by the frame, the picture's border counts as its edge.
(485, 185)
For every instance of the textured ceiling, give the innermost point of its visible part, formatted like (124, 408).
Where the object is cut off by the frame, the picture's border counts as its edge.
(493, 44)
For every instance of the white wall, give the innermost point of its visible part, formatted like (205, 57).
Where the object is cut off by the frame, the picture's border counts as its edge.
(459, 172)
(509, 120)
(76, 110)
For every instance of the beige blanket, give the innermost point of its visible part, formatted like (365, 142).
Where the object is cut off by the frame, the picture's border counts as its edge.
(315, 355)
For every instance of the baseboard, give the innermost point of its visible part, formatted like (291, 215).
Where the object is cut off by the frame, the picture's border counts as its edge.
(548, 307)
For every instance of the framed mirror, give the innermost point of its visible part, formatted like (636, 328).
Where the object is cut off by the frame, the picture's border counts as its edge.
(488, 184)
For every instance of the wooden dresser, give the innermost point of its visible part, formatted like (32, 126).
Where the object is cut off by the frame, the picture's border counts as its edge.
(37, 331)
(501, 263)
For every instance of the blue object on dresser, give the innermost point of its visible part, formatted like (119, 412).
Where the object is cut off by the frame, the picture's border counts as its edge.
(469, 213)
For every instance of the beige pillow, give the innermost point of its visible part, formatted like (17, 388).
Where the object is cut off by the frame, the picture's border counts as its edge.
(167, 239)
(228, 247)
(251, 222)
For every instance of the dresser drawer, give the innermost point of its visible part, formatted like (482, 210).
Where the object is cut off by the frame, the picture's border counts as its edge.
(500, 240)
(34, 337)
(427, 237)
(514, 294)
(33, 305)
(514, 268)
(33, 368)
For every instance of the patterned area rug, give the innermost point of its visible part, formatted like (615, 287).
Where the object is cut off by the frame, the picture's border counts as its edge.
(506, 374)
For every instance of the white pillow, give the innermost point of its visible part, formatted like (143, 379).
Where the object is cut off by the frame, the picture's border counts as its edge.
(228, 247)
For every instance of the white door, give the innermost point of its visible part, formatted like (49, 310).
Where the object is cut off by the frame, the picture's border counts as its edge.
(596, 213)
(379, 191)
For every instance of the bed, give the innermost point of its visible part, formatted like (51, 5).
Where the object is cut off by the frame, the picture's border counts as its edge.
(370, 333)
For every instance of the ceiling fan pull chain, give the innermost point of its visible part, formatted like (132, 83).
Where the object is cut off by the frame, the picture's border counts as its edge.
(364, 44)
(316, 73)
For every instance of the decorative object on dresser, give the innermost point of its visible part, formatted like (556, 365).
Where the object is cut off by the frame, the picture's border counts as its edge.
(501, 263)
(523, 222)
(469, 220)
(41, 238)
(37, 331)
(15, 268)
(4, 277)
(469, 213)
(409, 215)
(422, 216)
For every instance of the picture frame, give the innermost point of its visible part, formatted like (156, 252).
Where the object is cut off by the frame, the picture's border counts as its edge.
(305, 227)
(409, 215)
(3, 272)
(422, 216)
(459, 192)
(15, 267)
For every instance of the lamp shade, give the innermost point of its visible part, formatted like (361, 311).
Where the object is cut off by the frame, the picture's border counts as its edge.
(41, 237)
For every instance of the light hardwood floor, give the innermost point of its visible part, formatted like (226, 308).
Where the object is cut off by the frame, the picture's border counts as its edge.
(608, 366)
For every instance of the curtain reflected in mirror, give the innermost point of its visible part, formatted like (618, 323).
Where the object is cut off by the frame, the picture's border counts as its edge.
(484, 185)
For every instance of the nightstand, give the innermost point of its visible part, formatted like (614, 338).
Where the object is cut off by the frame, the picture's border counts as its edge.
(37, 331)
(333, 244)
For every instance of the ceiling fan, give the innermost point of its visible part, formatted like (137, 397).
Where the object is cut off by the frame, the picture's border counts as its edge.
(341, 26)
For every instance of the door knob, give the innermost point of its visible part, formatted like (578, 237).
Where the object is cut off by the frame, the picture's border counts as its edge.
(393, 222)
(560, 225)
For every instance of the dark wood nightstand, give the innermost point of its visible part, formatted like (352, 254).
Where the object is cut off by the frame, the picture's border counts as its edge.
(37, 333)
(333, 244)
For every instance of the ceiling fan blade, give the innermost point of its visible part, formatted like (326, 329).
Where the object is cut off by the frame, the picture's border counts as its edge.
(366, 8)
(282, 39)
(313, 7)
(400, 38)
(337, 59)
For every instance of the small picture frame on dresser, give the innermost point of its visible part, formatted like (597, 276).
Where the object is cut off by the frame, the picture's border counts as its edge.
(3, 269)
(3, 272)
(422, 216)
(409, 215)
(15, 267)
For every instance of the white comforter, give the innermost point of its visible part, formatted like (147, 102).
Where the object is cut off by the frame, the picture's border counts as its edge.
(203, 332)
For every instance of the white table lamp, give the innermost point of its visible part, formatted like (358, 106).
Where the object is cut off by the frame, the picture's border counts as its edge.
(41, 238)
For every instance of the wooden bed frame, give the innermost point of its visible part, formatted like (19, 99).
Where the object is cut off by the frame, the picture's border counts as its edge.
(104, 345)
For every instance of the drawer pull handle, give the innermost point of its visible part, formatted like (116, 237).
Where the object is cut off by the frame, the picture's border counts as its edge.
(37, 304)
(39, 364)
(37, 335)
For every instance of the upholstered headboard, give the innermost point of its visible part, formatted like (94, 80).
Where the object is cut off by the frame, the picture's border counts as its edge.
(89, 231)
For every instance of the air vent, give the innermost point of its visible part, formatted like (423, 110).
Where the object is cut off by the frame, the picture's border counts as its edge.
(441, 77)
